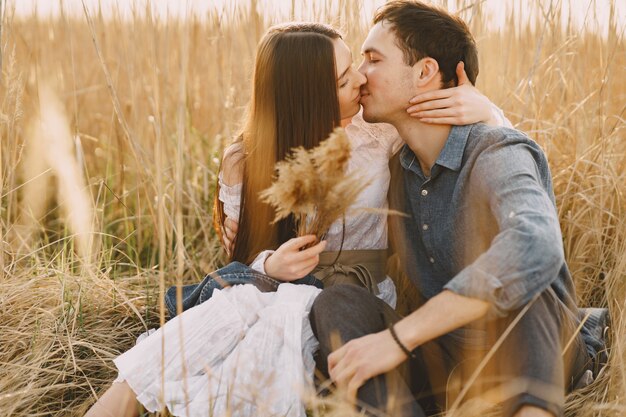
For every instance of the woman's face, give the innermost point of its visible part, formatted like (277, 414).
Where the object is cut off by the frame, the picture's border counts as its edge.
(349, 80)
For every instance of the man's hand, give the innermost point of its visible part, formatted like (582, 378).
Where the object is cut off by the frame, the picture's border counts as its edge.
(290, 262)
(229, 234)
(366, 357)
(361, 359)
(460, 105)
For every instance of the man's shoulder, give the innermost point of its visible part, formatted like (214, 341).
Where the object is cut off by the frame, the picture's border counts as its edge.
(494, 152)
(483, 138)
(489, 135)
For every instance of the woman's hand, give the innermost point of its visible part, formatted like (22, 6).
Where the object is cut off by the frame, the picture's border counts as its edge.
(459, 105)
(289, 263)
(229, 232)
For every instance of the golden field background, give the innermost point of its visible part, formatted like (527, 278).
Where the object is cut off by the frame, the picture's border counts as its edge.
(108, 200)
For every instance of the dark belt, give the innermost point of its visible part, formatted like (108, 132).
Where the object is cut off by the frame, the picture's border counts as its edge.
(365, 268)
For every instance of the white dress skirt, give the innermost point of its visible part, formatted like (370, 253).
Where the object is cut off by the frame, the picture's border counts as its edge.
(244, 353)
(248, 353)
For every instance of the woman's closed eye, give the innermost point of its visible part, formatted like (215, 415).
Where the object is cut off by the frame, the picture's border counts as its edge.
(343, 84)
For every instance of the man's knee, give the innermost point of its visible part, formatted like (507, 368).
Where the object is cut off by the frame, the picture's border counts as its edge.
(347, 310)
(335, 305)
(339, 297)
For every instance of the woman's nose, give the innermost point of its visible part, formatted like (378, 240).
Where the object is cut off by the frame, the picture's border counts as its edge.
(360, 69)
(361, 79)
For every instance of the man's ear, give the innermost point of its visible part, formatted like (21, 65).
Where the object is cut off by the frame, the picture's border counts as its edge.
(426, 71)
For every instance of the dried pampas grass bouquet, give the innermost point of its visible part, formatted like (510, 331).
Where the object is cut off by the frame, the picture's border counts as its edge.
(314, 186)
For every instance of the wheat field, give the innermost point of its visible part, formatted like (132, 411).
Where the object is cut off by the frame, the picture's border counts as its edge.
(111, 130)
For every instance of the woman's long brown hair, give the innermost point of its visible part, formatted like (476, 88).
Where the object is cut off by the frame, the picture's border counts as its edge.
(294, 103)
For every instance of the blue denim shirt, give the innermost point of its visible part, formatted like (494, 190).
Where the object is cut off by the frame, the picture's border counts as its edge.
(484, 224)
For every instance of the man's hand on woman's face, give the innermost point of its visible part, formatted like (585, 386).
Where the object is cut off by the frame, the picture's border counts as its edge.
(460, 105)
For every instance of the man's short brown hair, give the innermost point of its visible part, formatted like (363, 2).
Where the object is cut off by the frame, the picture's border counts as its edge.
(427, 31)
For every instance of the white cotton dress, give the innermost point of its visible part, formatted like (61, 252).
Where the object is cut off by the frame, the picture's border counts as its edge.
(248, 353)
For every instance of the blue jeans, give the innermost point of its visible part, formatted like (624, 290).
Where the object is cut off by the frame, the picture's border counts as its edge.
(234, 273)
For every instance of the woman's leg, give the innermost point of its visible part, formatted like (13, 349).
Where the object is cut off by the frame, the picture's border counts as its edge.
(118, 401)
(235, 273)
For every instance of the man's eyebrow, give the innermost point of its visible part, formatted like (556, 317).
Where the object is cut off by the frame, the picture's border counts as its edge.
(371, 50)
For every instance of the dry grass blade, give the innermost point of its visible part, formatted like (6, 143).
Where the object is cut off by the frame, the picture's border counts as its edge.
(50, 146)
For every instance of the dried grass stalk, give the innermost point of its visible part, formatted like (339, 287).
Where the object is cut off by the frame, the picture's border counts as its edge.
(314, 187)
(51, 146)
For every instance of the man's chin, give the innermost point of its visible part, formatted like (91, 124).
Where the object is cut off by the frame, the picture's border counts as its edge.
(370, 116)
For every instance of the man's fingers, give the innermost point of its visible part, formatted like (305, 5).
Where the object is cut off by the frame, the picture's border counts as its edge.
(342, 375)
(335, 357)
(353, 387)
(461, 74)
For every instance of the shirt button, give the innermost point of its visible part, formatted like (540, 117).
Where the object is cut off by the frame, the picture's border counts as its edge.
(432, 260)
(425, 227)
(424, 193)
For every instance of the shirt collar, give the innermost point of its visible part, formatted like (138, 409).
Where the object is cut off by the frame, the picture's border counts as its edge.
(408, 160)
(451, 155)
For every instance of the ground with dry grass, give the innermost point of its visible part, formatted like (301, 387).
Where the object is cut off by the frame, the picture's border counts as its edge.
(100, 213)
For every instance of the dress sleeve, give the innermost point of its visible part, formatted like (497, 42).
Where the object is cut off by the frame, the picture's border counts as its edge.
(259, 262)
(500, 117)
(230, 196)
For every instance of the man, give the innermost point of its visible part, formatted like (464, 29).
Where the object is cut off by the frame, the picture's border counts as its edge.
(481, 244)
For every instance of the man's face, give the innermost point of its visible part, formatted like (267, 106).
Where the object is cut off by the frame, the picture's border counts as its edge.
(390, 81)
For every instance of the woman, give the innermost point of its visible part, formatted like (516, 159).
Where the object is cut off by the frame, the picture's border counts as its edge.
(247, 352)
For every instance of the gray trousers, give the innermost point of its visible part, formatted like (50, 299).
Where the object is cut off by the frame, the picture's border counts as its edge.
(528, 368)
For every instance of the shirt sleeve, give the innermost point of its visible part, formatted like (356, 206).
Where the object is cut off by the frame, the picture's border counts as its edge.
(527, 253)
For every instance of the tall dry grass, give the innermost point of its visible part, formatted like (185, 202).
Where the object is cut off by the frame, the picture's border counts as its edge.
(149, 105)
